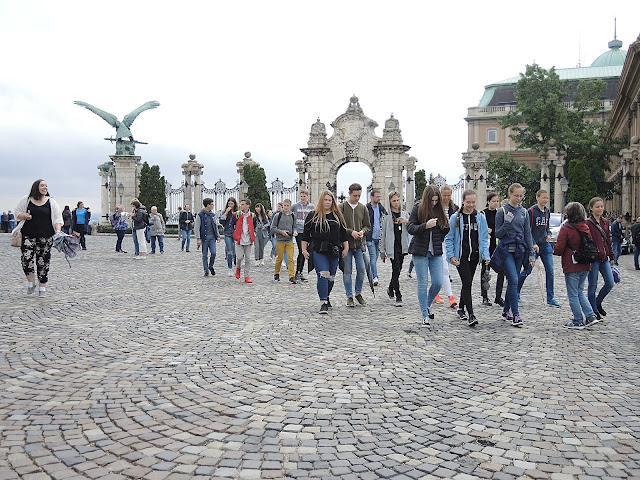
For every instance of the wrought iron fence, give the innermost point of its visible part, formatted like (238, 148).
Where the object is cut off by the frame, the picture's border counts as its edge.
(278, 192)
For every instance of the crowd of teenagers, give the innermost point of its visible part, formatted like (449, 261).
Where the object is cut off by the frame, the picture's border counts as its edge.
(504, 237)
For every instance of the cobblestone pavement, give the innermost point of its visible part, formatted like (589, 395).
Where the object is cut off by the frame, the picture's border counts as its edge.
(147, 369)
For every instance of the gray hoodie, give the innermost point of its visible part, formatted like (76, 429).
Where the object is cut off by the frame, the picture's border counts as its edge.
(283, 223)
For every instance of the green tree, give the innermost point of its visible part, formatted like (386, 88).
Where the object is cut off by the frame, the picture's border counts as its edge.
(503, 170)
(586, 142)
(257, 190)
(152, 189)
(421, 182)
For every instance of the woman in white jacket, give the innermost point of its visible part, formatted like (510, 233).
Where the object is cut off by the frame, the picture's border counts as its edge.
(40, 218)
(394, 243)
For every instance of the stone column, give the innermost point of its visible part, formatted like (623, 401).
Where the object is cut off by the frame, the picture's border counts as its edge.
(475, 165)
(126, 167)
(197, 193)
(190, 170)
(558, 196)
(114, 197)
(626, 161)
(104, 194)
(301, 170)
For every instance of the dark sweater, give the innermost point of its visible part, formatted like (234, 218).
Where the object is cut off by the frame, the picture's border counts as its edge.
(335, 235)
(423, 235)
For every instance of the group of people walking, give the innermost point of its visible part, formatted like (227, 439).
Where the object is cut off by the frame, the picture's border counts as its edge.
(504, 237)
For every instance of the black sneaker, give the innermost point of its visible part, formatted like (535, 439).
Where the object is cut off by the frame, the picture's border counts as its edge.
(206, 273)
(601, 310)
(399, 301)
(430, 314)
(301, 277)
(473, 321)
(499, 301)
(589, 322)
(212, 270)
(597, 315)
(329, 303)
(462, 315)
(324, 309)
(390, 294)
(276, 277)
(426, 322)
(486, 302)
(293, 280)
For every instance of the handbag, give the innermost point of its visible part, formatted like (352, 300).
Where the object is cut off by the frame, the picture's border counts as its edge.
(16, 235)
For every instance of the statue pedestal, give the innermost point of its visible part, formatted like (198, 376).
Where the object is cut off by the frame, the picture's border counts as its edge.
(127, 169)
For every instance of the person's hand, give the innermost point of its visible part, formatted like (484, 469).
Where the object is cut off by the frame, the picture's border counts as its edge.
(384, 259)
(286, 234)
(532, 263)
(345, 252)
(199, 243)
(548, 238)
(487, 262)
(355, 234)
(455, 261)
(432, 223)
(27, 216)
(612, 262)
(305, 254)
(536, 248)
(295, 234)
(510, 214)
(489, 230)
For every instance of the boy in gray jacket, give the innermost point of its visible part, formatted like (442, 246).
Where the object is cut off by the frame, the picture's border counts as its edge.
(283, 226)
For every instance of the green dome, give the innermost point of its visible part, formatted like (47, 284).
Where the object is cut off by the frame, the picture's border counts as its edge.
(613, 57)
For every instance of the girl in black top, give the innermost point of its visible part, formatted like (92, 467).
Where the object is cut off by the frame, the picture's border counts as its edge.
(325, 230)
(493, 203)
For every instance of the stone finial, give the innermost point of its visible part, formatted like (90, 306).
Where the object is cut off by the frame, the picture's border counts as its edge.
(192, 156)
(354, 105)
(247, 154)
(392, 130)
(475, 145)
(318, 135)
(635, 140)
(552, 142)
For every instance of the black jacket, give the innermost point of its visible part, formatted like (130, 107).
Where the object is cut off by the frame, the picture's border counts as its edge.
(184, 216)
(369, 235)
(421, 235)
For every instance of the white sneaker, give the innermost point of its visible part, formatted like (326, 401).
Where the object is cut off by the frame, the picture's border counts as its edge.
(230, 272)
(375, 281)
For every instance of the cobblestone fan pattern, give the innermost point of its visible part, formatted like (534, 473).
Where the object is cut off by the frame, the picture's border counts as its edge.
(147, 369)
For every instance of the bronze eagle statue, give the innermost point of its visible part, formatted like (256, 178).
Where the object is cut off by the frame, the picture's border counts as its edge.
(125, 143)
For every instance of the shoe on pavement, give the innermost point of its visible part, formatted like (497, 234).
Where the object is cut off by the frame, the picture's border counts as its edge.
(517, 321)
(206, 273)
(31, 288)
(426, 322)
(187, 250)
(462, 314)
(324, 309)
(553, 303)
(574, 326)
(409, 275)
(439, 299)
(601, 310)
(499, 301)
(486, 302)
(237, 273)
(42, 292)
(360, 300)
(329, 303)
(591, 321)
(350, 302)
(376, 282)
(473, 321)
(276, 277)
(390, 294)
(293, 280)
(212, 270)
(231, 272)
(247, 280)
(507, 316)
(430, 314)
(452, 302)
(399, 301)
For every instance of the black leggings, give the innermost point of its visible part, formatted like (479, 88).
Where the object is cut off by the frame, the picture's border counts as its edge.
(396, 268)
(300, 260)
(467, 270)
(36, 254)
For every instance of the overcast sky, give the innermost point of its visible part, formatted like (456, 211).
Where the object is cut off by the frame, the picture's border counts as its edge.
(255, 75)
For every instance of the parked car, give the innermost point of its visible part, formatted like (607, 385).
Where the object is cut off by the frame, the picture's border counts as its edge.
(555, 222)
(626, 245)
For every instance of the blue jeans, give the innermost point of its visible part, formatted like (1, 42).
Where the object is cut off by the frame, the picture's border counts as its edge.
(636, 253)
(512, 267)
(425, 267)
(348, 269)
(230, 250)
(374, 252)
(603, 268)
(546, 254)
(135, 242)
(577, 299)
(160, 243)
(208, 245)
(617, 250)
(120, 234)
(186, 237)
(327, 265)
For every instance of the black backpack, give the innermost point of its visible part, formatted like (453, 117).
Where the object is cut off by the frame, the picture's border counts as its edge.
(588, 252)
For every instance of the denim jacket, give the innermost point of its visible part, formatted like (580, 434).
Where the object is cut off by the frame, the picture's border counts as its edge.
(453, 240)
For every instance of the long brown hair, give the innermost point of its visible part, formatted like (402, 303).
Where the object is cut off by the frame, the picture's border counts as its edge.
(263, 212)
(35, 190)
(320, 217)
(427, 211)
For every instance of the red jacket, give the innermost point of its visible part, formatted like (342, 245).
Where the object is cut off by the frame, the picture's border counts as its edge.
(568, 242)
(237, 234)
(605, 250)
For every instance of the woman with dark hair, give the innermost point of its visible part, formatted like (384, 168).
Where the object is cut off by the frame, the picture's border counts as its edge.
(516, 246)
(262, 232)
(40, 217)
(429, 226)
(575, 274)
(79, 220)
(601, 235)
(139, 223)
(229, 226)
(325, 228)
(66, 219)
(493, 202)
(467, 245)
(449, 209)
(394, 243)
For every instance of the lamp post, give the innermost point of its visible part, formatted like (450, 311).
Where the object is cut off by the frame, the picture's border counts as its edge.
(342, 197)
(564, 186)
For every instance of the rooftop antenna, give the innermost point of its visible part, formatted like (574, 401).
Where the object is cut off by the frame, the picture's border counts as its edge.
(615, 28)
(580, 50)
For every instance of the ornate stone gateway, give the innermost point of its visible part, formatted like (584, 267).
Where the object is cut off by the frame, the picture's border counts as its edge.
(354, 140)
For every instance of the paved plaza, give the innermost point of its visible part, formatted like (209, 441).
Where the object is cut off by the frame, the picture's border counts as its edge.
(147, 369)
